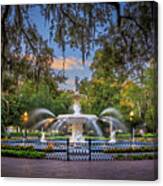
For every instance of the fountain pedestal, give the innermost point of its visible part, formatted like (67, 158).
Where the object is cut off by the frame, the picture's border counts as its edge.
(77, 133)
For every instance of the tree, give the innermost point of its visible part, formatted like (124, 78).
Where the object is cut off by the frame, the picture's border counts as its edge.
(84, 25)
(124, 32)
(132, 100)
(150, 96)
(25, 54)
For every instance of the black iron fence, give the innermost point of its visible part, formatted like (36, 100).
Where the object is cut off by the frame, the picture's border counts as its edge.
(90, 149)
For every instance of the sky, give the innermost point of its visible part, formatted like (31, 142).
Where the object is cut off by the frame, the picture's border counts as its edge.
(73, 57)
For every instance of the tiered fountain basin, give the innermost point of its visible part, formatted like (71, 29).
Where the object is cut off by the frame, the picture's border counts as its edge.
(77, 121)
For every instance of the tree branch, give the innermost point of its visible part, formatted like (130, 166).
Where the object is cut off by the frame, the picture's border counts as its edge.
(135, 21)
(4, 38)
(71, 18)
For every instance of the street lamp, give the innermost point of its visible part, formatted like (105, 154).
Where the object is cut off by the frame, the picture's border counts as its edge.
(131, 115)
(25, 118)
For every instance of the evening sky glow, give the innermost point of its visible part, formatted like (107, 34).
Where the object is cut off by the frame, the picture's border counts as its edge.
(73, 57)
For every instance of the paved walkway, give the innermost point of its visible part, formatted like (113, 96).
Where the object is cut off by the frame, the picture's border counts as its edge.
(120, 170)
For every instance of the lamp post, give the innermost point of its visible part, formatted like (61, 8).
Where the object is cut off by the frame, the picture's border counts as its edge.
(131, 115)
(25, 118)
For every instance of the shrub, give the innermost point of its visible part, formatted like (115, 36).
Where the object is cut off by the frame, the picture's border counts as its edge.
(136, 157)
(9, 147)
(150, 135)
(20, 134)
(120, 157)
(22, 153)
(131, 149)
(128, 135)
(57, 137)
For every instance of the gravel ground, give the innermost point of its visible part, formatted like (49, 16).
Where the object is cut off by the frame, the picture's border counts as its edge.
(108, 170)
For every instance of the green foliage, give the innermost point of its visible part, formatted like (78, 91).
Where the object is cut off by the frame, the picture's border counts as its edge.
(21, 134)
(57, 137)
(22, 153)
(29, 98)
(110, 88)
(146, 135)
(24, 148)
(124, 68)
(33, 98)
(131, 149)
(62, 103)
(136, 157)
(100, 94)
(11, 110)
(128, 26)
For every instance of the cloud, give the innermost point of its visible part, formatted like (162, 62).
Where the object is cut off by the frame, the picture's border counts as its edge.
(69, 63)
(57, 63)
(73, 67)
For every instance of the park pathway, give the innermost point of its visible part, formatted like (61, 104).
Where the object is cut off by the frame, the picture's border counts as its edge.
(115, 170)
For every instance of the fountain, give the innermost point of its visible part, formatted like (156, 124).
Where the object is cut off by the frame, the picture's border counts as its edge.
(78, 148)
(77, 120)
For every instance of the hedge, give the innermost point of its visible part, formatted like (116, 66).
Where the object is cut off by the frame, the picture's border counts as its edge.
(22, 153)
(131, 149)
(136, 157)
(17, 147)
(20, 134)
